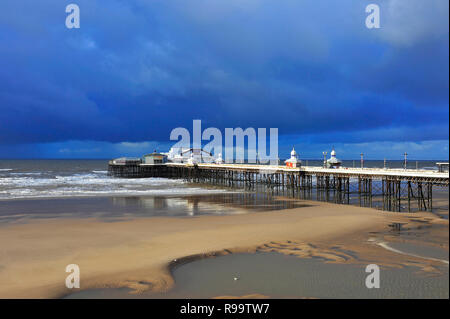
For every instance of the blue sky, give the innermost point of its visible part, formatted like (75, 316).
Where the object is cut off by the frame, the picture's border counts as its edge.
(136, 69)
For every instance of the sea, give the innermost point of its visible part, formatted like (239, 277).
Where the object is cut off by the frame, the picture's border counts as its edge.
(82, 188)
(30, 179)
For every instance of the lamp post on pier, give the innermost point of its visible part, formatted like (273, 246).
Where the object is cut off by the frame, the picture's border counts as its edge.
(324, 159)
(362, 160)
(406, 154)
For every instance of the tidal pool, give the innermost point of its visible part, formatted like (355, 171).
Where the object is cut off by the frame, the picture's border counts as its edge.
(279, 276)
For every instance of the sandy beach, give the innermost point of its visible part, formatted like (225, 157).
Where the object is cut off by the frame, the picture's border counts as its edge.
(140, 252)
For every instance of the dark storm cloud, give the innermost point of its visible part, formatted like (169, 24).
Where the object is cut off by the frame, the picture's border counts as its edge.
(137, 69)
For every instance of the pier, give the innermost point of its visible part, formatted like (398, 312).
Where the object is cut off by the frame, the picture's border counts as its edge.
(386, 189)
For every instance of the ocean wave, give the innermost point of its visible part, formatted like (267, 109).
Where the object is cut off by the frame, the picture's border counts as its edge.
(74, 192)
(84, 179)
(5, 169)
(96, 183)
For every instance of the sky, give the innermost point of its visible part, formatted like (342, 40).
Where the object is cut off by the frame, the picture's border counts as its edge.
(136, 69)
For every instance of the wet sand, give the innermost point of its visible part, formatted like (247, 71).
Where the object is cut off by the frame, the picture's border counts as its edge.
(140, 253)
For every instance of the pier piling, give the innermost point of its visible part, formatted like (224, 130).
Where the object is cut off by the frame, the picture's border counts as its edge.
(381, 188)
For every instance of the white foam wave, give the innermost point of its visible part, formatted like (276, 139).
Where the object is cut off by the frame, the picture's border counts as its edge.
(91, 184)
(74, 192)
(84, 179)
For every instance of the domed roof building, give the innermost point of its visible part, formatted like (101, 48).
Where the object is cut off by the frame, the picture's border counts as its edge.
(192, 160)
(293, 161)
(333, 162)
(219, 159)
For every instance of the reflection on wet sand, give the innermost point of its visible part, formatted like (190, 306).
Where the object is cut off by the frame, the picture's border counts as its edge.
(199, 204)
(119, 208)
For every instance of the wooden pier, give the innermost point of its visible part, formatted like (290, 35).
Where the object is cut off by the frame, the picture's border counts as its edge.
(387, 189)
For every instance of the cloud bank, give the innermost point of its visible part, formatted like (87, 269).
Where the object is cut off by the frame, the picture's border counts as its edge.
(137, 69)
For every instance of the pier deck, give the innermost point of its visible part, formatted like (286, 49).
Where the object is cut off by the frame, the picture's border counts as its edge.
(386, 187)
(380, 173)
